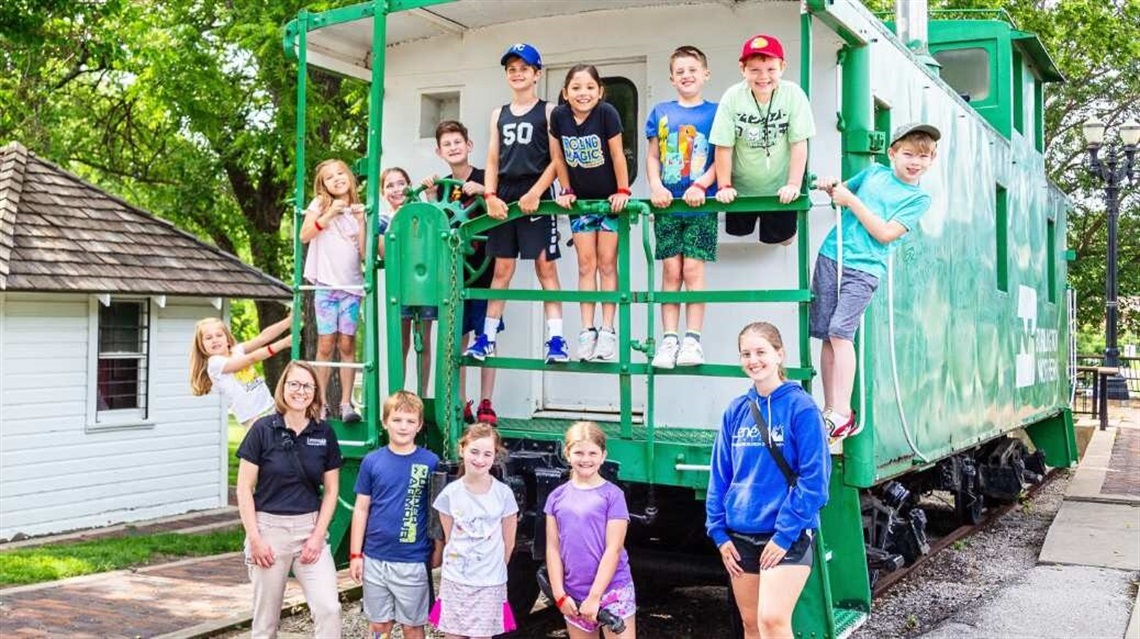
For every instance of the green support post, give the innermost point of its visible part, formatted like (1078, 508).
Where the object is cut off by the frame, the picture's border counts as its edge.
(299, 177)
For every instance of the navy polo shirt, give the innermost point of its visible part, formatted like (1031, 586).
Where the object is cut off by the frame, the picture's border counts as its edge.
(280, 489)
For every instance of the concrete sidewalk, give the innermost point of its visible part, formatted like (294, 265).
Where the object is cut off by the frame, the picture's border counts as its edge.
(1085, 582)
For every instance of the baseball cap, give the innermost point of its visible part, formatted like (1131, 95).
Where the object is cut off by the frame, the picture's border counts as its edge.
(915, 127)
(761, 44)
(524, 52)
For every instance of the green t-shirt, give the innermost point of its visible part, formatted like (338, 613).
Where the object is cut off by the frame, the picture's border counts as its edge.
(761, 134)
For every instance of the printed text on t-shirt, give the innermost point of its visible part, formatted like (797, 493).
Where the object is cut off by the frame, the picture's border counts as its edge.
(583, 152)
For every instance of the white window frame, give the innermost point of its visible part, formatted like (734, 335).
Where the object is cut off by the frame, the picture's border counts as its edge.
(98, 420)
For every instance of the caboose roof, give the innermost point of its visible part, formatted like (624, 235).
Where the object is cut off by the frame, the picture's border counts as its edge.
(59, 233)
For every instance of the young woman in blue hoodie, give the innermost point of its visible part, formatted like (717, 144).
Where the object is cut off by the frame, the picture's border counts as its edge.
(763, 519)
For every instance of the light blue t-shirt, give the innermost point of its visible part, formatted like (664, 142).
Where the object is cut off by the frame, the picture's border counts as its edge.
(886, 196)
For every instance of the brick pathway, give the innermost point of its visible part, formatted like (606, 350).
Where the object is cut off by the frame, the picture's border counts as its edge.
(1123, 476)
(149, 602)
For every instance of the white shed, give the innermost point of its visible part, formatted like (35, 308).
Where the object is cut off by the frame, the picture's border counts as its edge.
(98, 302)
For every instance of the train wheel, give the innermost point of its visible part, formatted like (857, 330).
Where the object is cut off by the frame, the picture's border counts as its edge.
(970, 503)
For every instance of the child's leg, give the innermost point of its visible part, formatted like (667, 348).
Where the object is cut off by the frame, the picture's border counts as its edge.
(586, 246)
(693, 271)
(574, 632)
(382, 629)
(424, 364)
(327, 311)
(607, 249)
(630, 631)
(843, 374)
(547, 272)
(463, 369)
(504, 271)
(671, 281)
(347, 347)
(780, 587)
(325, 346)
(412, 632)
(827, 372)
(405, 337)
(487, 383)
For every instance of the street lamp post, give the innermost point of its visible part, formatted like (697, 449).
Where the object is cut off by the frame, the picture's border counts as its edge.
(1113, 170)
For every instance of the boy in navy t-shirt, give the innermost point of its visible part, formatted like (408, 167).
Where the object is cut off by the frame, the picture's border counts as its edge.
(389, 548)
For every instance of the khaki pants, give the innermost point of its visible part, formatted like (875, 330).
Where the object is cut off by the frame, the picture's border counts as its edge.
(286, 534)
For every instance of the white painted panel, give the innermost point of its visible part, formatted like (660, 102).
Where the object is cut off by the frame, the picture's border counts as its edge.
(123, 515)
(94, 447)
(64, 516)
(125, 463)
(144, 473)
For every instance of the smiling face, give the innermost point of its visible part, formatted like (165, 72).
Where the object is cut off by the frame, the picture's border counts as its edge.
(586, 460)
(395, 182)
(910, 161)
(762, 74)
(761, 360)
(214, 339)
(521, 76)
(402, 426)
(688, 76)
(453, 148)
(300, 389)
(478, 457)
(336, 179)
(582, 92)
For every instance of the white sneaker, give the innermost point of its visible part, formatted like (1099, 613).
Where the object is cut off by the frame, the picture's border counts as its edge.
(666, 356)
(691, 353)
(607, 344)
(587, 341)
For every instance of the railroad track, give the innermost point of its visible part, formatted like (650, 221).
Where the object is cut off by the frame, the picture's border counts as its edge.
(887, 581)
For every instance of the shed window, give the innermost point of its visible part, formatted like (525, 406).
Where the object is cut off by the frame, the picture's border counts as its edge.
(967, 70)
(122, 361)
(622, 94)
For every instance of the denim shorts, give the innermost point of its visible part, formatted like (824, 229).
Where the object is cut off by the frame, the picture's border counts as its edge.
(837, 314)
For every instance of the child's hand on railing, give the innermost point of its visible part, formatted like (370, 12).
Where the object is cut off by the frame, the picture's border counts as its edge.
(787, 193)
(726, 194)
(618, 200)
(694, 196)
(529, 203)
(660, 197)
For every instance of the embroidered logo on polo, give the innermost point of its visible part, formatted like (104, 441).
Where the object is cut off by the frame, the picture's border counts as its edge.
(316, 441)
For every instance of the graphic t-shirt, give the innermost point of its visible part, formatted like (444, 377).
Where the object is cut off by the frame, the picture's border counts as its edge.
(244, 391)
(475, 551)
(761, 134)
(890, 198)
(586, 148)
(682, 134)
(582, 515)
(400, 487)
(476, 259)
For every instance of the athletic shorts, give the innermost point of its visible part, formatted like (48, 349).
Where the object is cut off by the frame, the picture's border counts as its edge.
(688, 235)
(336, 312)
(836, 313)
(776, 227)
(474, 316)
(525, 237)
(593, 223)
(396, 591)
(621, 601)
(750, 546)
(428, 313)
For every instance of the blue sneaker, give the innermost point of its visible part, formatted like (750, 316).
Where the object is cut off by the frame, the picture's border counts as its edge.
(556, 350)
(481, 349)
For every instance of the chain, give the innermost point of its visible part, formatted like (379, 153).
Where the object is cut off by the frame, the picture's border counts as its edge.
(450, 369)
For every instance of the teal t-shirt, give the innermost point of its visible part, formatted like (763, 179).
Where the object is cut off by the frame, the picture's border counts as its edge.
(886, 196)
(761, 134)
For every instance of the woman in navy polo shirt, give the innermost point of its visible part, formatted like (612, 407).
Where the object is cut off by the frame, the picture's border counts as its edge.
(287, 456)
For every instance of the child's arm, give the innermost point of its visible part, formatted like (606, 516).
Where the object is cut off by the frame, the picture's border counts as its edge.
(659, 196)
(510, 528)
(797, 165)
(722, 164)
(356, 536)
(621, 172)
(234, 363)
(429, 187)
(315, 544)
(496, 207)
(567, 197)
(266, 336)
(554, 569)
(615, 541)
(883, 231)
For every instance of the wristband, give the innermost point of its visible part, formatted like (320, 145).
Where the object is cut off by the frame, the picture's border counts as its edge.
(726, 186)
(699, 186)
(625, 192)
(318, 225)
(355, 555)
(490, 194)
(561, 600)
(269, 347)
(567, 191)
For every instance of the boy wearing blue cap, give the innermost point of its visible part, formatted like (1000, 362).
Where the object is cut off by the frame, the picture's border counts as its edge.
(880, 205)
(519, 169)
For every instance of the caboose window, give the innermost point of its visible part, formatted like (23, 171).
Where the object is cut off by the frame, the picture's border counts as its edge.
(967, 70)
(622, 94)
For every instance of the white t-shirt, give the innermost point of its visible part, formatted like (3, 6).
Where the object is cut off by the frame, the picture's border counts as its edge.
(475, 554)
(244, 391)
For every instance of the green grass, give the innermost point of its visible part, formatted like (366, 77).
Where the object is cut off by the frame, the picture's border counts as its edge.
(236, 433)
(59, 561)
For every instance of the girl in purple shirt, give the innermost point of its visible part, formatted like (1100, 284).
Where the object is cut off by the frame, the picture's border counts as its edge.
(586, 521)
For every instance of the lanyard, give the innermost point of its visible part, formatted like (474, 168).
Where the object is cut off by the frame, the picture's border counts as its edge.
(766, 116)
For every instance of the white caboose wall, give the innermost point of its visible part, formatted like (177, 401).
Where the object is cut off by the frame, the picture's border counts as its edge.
(58, 473)
(635, 43)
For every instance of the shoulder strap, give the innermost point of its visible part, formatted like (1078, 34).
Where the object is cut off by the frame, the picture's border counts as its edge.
(297, 464)
(765, 435)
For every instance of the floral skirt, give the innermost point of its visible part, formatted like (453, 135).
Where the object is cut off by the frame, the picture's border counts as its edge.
(480, 611)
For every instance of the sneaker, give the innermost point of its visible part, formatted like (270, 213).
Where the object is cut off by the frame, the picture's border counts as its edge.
(666, 356)
(486, 414)
(468, 415)
(348, 414)
(555, 350)
(481, 349)
(842, 431)
(587, 341)
(692, 354)
(607, 344)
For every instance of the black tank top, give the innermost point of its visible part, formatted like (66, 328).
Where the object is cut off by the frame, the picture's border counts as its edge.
(524, 142)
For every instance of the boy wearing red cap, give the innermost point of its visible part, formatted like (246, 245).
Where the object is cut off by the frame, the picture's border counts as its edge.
(760, 133)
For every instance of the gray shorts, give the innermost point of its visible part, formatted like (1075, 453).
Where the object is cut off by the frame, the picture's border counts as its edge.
(835, 315)
(396, 591)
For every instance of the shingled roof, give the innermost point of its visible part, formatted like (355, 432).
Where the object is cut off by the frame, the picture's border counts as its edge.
(59, 233)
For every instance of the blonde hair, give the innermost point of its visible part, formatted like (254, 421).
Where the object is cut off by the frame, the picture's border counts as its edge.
(200, 382)
(480, 430)
(770, 333)
(313, 410)
(324, 199)
(584, 432)
(922, 141)
(403, 400)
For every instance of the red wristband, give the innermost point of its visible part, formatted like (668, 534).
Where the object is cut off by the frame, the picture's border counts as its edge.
(701, 187)
(489, 194)
(726, 186)
(567, 191)
(624, 191)
(561, 600)
(355, 555)
(318, 225)
(269, 347)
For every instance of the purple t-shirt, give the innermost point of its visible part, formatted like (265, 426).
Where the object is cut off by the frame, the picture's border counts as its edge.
(582, 514)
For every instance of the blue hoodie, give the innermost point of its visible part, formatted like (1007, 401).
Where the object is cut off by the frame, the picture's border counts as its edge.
(747, 492)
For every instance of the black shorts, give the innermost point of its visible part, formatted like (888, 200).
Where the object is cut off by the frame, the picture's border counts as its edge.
(526, 237)
(776, 227)
(750, 547)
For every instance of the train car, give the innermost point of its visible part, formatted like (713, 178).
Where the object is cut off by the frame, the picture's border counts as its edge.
(963, 382)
